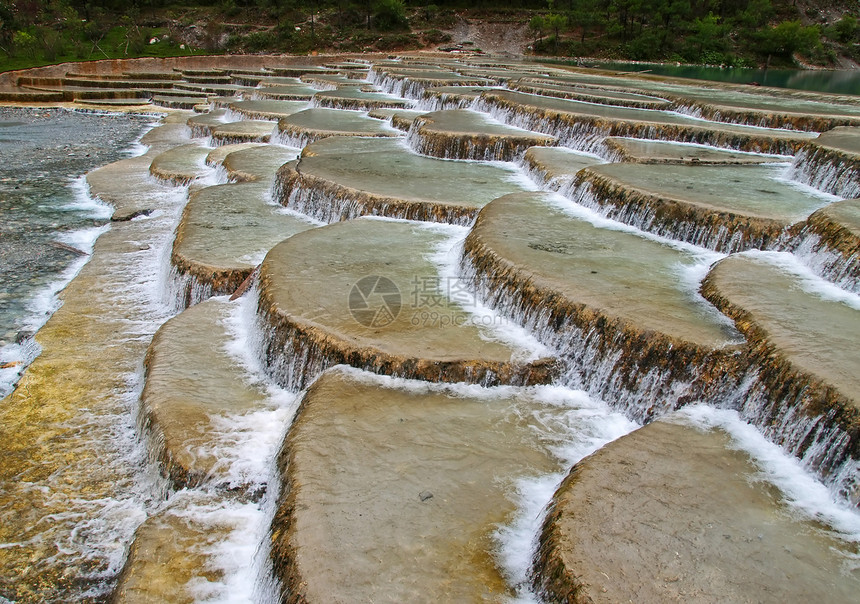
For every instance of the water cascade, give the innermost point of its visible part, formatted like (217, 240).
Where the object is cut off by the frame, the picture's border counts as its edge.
(831, 162)
(357, 99)
(583, 125)
(592, 95)
(751, 208)
(642, 342)
(310, 125)
(373, 365)
(464, 134)
(340, 178)
(829, 242)
(802, 397)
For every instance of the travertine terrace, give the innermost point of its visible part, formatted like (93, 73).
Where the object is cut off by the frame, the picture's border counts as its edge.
(446, 328)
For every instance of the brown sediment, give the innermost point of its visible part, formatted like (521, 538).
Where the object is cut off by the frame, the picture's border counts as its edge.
(86, 82)
(835, 230)
(32, 96)
(829, 168)
(402, 122)
(208, 279)
(571, 125)
(177, 102)
(672, 512)
(613, 354)
(430, 136)
(700, 224)
(590, 95)
(392, 493)
(332, 202)
(764, 118)
(308, 325)
(805, 404)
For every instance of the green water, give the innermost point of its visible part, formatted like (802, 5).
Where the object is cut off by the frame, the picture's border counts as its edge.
(839, 81)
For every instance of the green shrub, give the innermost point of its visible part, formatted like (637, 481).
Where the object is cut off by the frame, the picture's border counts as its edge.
(390, 15)
(52, 43)
(845, 30)
(434, 36)
(25, 44)
(258, 41)
(398, 42)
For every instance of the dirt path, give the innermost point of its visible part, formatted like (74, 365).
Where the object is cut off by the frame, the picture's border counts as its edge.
(497, 37)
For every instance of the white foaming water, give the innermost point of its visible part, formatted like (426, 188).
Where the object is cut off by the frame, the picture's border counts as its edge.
(586, 426)
(45, 303)
(801, 491)
(570, 425)
(808, 280)
(600, 221)
(105, 526)
(492, 325)
(247, 444)
(784, 173)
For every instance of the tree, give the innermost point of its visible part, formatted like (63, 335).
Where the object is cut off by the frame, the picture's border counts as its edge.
(555, 22)
(537, 25)
(845, 30)
(706, 35)
(585, 15)
(390, 15)
(787, 38)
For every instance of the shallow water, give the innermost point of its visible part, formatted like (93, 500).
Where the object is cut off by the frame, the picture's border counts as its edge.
(43, 209)
(83, 497)
(839, 81)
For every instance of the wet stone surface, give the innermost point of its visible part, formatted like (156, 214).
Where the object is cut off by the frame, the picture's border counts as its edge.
(367, 292)
(674, 512)
(393, 489)
(648, 151)
(755, 191)
(335, 172)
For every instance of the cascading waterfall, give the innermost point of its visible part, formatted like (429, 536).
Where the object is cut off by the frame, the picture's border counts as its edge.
(828, 171)
(600, 362)
(644, 216)
(643, 376)
(828, 263)
(817, 441)
(329, 202)
(578, 135)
